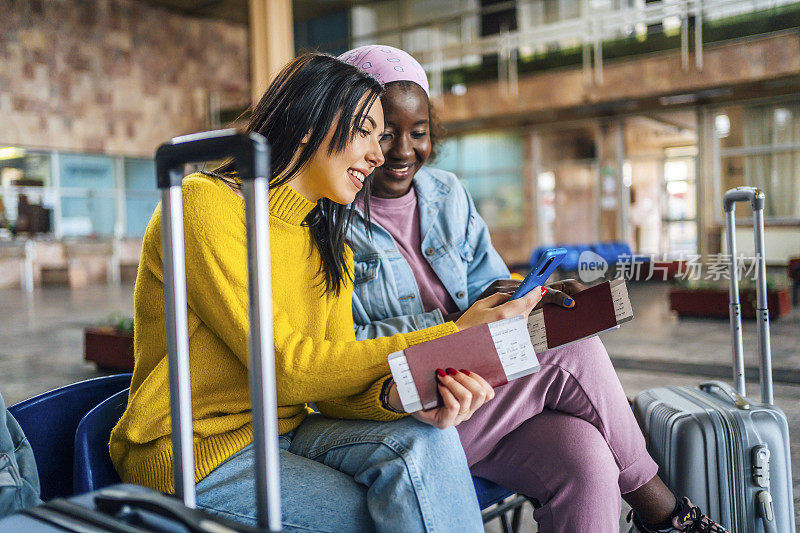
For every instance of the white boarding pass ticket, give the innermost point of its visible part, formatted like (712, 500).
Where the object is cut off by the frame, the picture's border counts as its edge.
(513, 345)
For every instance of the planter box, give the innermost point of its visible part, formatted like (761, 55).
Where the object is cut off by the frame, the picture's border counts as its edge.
(108, 348)
(128, 271)
(715, 302)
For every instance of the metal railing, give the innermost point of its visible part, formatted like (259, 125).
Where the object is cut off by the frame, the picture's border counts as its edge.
(438, 47)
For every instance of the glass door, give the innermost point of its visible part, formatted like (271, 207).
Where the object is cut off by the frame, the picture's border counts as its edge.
(679, 207)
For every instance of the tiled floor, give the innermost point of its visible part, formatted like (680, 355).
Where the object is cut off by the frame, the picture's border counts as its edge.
(41, 347)
(657, 335)
(41, 336)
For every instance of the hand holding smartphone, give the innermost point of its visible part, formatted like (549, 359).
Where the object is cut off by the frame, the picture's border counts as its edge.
(545, 266)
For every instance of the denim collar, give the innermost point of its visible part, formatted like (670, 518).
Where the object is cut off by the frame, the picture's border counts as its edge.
(430, 188)
(430, 193)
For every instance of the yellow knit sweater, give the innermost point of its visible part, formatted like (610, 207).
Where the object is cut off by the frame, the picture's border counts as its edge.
(317, 357)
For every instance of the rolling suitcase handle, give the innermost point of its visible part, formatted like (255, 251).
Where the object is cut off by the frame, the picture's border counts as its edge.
(251, 158)
(738, 400)
(756, 199)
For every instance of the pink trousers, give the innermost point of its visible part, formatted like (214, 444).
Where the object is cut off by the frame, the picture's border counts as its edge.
(565, 436)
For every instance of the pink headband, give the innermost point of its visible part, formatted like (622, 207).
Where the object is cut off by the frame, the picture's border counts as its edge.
(387, 64)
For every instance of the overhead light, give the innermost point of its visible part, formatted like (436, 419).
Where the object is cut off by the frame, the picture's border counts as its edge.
(627, 174)
(11, 152)
(782, 116)
(459, 89)
(547, 181)
(722, 125)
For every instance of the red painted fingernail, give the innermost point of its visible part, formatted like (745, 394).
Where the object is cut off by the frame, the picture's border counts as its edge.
(544, 291)
(467, 372)
(440, 372)
(452, 371)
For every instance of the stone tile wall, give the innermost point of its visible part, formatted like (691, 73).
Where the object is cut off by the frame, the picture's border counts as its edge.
(112, 76)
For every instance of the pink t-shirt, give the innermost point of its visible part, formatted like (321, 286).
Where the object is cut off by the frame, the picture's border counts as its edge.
(400, 217)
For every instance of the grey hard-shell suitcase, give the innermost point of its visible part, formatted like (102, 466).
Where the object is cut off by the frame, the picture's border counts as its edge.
(729, 454)
(131, 508)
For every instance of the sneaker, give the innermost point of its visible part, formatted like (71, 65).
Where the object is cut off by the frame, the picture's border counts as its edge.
(689, 519)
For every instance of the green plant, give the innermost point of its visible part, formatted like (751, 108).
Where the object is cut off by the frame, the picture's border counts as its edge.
(121, 322)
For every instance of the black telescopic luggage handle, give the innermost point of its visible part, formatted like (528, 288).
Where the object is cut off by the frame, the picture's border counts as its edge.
(250, 154)
(756, 199)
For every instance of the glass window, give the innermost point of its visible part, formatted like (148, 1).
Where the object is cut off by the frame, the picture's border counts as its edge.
(447, 156)
(759, 146)
(546, 183)
(661, 148)
(490, 166)
(680, 209)
(329, 33)
(25, 201)
(681, 198)
(87, 195)
(681, 238)
(486, 152)
(141, 195)
(775, 173)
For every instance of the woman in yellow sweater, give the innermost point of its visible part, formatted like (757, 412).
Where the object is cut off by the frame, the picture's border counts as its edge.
(363, 465)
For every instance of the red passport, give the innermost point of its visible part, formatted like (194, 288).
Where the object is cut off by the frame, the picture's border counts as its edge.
(597, 309)
(498, 352)
(471, 348)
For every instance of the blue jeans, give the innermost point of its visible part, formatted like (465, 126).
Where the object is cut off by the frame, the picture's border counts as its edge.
(356, 475)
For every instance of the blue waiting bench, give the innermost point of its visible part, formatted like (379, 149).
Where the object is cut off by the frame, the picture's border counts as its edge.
(69, 428)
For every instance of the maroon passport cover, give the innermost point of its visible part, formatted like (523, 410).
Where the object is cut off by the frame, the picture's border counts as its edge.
(593, 313)
(472, 349)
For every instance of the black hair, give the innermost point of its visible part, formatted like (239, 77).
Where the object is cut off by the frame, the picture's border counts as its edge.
(312, 94)
(436, 131)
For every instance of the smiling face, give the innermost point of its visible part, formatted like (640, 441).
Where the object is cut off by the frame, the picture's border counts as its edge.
(406, 139)
(339, 176)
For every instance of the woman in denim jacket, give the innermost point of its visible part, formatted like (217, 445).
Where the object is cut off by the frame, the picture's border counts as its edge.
(564, 436)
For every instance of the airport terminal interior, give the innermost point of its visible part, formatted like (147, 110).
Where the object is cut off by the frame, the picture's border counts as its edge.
(575, 123)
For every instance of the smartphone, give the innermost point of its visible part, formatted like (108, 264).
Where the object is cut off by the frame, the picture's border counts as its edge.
(544, 267)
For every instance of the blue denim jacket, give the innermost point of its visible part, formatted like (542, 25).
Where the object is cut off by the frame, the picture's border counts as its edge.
(19, 480)
(456, 243)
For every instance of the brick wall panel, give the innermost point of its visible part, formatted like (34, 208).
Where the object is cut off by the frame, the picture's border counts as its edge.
(112, 75)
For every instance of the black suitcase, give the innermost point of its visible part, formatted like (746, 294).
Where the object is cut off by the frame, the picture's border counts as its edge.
(131, 508)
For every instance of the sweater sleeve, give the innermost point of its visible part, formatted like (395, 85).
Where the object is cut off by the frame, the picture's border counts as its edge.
(307, 369)
(340, 322)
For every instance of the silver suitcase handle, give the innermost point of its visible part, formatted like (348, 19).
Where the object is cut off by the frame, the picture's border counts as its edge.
(756, 199)
(738, 400)
(250, 154)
